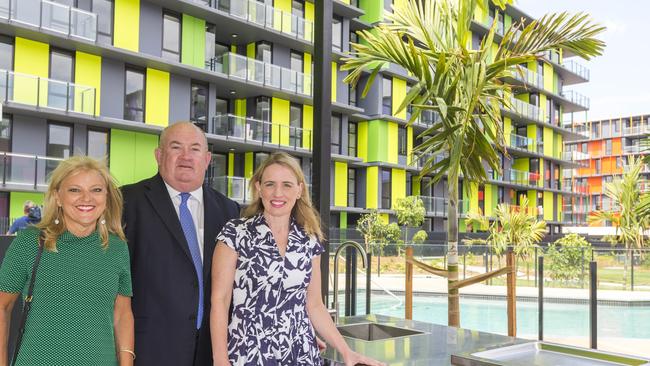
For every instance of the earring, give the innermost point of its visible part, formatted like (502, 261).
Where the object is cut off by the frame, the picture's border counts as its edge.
(56, 221)
(102, 221)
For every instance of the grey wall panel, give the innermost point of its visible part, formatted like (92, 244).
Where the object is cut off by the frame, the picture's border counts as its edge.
(344, 134)
(29, 135)
(80, 139)
(112, 89)
(341, 87)
(372, 102)
(361, 187)
(281, 56)
(179, 98)
(332, 177)
(150, 29)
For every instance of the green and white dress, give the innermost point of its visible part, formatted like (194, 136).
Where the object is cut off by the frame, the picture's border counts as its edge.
(71, 319)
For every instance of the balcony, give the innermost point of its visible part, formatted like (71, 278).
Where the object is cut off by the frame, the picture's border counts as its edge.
(636, 130)
(419, 161)
(645, 168)
(235, 188)
(526, 110)
(632, 149)
(576, 156)
(268, 17)
(437, 206)
(266, 133)
(529, 77)
(42, 92)
(261, 73)
(25, 171)
(576, 69)
(514, 176)
(576, 98)
(525, 143)
(51, 16)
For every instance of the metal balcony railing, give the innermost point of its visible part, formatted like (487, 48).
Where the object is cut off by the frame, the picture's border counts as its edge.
(42, 92)
(26, 171)
(515, 176)
(524, 143)
(529, 77)
(52, 16)
(576, 68)
(250, 129)
(438, 205)
(574, 156)
(418, 161)
(261, 73)
(645, 168)
(527, 110)
(575, 98)
(636, 130)
(632, 149)
(268, 17)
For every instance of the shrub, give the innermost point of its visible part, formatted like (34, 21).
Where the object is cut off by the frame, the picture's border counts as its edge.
(565, 258)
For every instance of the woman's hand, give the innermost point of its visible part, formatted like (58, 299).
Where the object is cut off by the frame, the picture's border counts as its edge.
(353, 358)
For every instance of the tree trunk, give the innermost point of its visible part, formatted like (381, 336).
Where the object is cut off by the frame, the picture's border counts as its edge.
(452, 255)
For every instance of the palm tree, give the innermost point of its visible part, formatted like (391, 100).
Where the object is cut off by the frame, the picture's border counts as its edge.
(627, 214)
(431, 39)
(513, 225)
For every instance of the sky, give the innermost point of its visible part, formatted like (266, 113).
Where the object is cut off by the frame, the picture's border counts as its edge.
(618, 78)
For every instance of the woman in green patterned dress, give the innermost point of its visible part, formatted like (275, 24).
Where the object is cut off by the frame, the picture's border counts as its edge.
(81, 308)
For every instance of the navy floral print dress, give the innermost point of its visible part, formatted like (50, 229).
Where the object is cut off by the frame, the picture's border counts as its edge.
(269, 323)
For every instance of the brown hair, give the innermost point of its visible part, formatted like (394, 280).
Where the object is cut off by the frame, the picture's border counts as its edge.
(51, 212)
(303, 212)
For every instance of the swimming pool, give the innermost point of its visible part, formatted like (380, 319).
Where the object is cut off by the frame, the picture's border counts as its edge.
(560, 320)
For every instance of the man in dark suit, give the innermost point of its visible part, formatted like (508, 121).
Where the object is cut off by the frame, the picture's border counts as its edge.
(171, 222)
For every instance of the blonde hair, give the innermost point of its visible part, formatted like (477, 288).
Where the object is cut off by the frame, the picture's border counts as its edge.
(52, 212)
(303, 212)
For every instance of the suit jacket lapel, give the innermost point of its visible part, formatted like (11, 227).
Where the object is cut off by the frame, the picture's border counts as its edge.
(158, 196)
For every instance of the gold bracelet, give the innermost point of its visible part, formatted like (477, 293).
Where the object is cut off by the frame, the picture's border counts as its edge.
(129, 352)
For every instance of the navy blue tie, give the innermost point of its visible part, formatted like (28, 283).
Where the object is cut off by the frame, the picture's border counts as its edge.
(187, 223)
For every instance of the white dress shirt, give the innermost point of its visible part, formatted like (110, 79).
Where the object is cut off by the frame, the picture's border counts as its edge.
(195, 205)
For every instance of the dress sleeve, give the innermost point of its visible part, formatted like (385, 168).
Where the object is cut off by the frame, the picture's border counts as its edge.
(18, 261)
(124, 284)
(316, 247)
(228, 235)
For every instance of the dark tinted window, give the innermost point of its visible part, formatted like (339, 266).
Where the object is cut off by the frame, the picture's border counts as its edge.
(134, 95)
(171, 47)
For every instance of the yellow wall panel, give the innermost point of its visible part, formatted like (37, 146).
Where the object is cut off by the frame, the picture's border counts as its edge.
(548, 206)
(548, 141)
(280, 110)
(340, 184)
(249, 165)
(334, 81)
(306, 67)
(399, 93)
(308, 125)
(372, 189)
(398, 185)
(157, 98)
(88, 72)
(409, 145)
(362, 140)
(127, 24)
(31, 58)
(392, 142)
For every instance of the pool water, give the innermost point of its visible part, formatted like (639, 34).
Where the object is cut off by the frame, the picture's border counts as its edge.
(560, 320)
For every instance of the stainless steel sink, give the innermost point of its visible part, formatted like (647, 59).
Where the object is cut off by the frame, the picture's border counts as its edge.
(374, 331)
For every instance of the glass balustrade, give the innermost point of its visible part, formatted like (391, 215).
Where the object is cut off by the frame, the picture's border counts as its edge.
(438, 205)
(52, 16)
(636, 130)
(269, 17)
(576, 68)
(249, 129)
(235, 188)
(526, 110)
(576, 98)
(262, 73)
(26, 171)
(515, 176)
(42, 92)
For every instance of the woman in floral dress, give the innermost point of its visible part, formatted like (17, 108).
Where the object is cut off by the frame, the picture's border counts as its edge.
(268, 265)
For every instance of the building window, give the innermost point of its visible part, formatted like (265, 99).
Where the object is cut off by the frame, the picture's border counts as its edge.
(298, 19)
(295, 125)
(354, 38)
(336, 134)
(259, 158)
(171, 42)
(352, 139)
(352, 188)
(352, 96)
(59, 144)
(199, 105)
(5, 133)
(134, 95)
(104, 11)
(619, 162)
(385, 189)
(262, 129)
(608, 146)
(597, 163)
(264, 52)
(210, 44)
(61, 69)
(595, 130)
(481, 198)
(501, 198)
(617, 128)
(296, 78)
(606, 130)
(98, 144)
(337, 33)
(401, 141)
(387, 96)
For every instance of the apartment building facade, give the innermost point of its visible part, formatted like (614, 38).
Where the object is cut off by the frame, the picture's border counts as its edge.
(103, 77)
(607, 149)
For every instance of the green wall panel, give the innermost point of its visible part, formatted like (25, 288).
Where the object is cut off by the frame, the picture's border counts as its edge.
(132, 156)
(377, 140)
(193, 41)
(374, 10)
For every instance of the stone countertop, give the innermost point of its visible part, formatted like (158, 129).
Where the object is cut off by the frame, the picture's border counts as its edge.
(434, 347)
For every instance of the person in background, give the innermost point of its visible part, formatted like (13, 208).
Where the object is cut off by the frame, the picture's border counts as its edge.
(32, 216)
(81, 307)
(171, 222)
(268, 265)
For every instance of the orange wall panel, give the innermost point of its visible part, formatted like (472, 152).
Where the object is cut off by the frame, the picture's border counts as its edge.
(595, 185)
(616, 146)
(595, 148)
